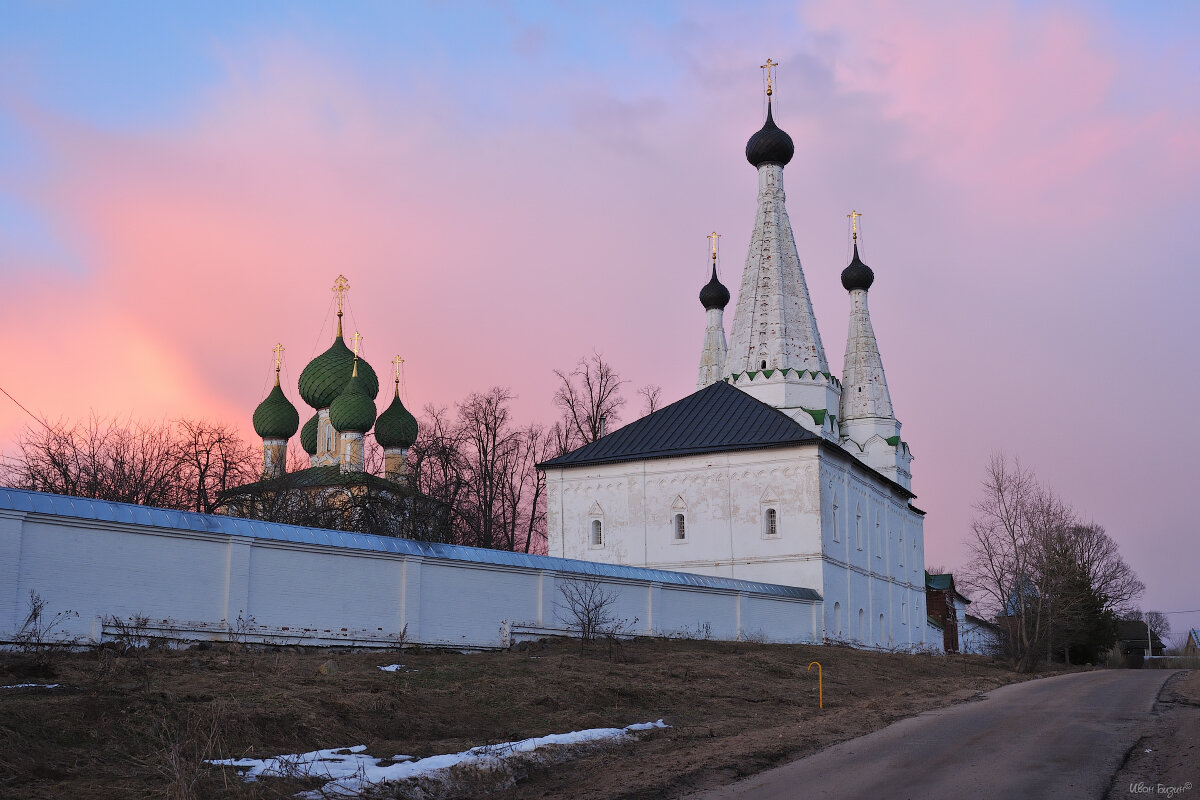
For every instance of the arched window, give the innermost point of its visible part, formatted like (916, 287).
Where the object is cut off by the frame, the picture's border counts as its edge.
(837, 620)
(771, 523)
(597, 533)
(837, 537)
(680, 528)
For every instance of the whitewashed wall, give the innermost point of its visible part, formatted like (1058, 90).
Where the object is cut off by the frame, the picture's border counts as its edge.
(198, 584)
(822, 499)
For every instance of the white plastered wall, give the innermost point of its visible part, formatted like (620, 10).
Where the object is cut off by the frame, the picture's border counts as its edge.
(724, 497)
(195, 585)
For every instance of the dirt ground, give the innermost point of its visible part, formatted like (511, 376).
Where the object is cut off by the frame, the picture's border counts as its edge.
(1165, 761)
(141, 724)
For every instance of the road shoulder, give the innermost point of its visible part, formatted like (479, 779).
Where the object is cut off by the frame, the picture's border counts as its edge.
(1165, 761)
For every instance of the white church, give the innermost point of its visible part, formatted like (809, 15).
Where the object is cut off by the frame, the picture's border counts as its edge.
(774, 470)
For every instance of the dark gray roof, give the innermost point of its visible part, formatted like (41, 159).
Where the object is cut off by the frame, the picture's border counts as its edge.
(107, 511)
(718, 418)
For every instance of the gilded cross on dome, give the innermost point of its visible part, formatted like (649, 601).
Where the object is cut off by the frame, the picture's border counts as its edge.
(357, 339)
(278, 351)
(853, 217)
(770, 68)
(397, 362)
(712, 238)
(340, 287)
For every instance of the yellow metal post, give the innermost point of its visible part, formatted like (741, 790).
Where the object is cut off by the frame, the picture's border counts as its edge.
(820, 684)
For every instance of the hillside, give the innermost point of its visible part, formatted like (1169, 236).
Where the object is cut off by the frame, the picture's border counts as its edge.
(140, 724)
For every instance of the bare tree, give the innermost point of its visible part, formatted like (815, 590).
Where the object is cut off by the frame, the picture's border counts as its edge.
(650, 398)
(170, 465)
(586, 606)
(589, 398)
(212, 458)
(1054, 583)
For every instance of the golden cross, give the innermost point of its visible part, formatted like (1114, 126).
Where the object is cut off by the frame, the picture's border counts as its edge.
(340, 287)
(278, 351)
(356, 338)
(397, 362)
(769, 67)
(712, 237)
(853, 217)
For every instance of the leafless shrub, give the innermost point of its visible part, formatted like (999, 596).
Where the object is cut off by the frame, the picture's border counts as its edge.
(39, 634)
(585, 604)
(131, 633)
(183, 747)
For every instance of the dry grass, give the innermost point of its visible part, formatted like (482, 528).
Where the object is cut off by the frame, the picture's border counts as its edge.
(126, 726)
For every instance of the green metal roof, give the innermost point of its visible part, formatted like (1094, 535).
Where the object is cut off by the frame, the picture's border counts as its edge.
(326, 376)
(308, 436)
(276, 417)
(396, 427)
(353, 410)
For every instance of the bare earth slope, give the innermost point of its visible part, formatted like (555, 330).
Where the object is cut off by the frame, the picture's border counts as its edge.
(140, 724)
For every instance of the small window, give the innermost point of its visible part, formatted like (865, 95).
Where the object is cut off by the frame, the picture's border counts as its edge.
(764, 365)
(837, 536)
(680, 528)
(771, 523)
(597, 533)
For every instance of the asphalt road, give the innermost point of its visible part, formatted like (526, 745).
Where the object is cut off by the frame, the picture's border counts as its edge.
(1061, 737)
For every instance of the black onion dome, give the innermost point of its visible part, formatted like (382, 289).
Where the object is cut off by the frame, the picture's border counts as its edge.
(770, 145)
(714, 294)
(858, 275)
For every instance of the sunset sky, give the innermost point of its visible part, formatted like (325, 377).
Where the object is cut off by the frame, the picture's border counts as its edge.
(511, 186)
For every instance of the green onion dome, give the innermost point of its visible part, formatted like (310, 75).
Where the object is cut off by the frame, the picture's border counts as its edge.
(308, 436)
(276, 417)
(354, 409)
(396, 427)
(327, 375)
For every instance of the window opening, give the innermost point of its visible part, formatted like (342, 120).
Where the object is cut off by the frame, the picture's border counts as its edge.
(597, 533)
(680, 527)
(772, 522)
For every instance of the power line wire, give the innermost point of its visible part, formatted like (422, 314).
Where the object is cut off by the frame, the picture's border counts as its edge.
(23, 408)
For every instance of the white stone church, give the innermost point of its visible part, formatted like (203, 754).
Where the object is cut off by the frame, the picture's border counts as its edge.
(774, 470)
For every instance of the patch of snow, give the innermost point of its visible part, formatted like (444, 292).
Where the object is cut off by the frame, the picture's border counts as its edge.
(392, 667)
(32, 686)
(350, 770)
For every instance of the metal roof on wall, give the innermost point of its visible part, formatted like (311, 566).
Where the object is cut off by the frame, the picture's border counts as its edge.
(107, 511)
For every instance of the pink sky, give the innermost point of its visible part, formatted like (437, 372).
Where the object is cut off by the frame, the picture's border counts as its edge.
(1028, 180)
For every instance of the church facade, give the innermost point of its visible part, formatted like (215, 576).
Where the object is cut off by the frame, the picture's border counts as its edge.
(774, 470)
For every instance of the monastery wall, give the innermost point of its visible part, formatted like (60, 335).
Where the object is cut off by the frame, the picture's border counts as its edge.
(196, 581)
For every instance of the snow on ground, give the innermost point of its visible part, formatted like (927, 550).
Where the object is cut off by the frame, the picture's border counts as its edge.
(31, 686)
(397, 668)
(350, 770)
